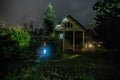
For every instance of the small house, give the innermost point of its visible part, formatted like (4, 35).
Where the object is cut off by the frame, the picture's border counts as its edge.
(71, 32)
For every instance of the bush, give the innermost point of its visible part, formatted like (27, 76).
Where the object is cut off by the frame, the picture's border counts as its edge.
(19, 36)
(14, 42)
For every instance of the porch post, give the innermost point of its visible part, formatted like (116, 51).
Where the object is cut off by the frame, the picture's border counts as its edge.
(63, 40)
(73, 40)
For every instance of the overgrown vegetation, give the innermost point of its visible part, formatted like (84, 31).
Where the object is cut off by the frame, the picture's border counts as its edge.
(107, 22)
(14, 42)
(18, 44)
(101, 65)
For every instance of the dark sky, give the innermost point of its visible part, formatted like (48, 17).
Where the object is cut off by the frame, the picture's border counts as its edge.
(13, 11)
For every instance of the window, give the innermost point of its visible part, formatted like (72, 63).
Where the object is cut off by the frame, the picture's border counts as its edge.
(68, 24)
(61, 35)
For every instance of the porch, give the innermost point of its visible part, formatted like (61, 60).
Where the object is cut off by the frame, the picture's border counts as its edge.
(71, 40)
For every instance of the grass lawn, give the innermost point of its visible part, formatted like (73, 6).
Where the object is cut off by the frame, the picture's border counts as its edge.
(77, 66)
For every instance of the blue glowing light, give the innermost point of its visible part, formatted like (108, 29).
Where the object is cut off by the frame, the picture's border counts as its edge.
(44, 51)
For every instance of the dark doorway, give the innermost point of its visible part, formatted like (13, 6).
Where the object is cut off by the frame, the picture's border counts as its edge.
(78, 39)
(68, 40)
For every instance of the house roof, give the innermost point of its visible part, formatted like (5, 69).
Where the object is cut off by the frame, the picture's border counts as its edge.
(73, 20)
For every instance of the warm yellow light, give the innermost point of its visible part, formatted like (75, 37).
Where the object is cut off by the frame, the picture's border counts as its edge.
(90, 45)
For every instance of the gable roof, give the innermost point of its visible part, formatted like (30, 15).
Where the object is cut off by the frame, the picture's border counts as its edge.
(73, 20)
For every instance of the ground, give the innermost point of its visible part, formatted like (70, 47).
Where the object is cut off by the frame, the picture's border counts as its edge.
(100, 65)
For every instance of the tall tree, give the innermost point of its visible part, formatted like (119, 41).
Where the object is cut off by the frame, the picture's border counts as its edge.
(108, 22)
(49, 17)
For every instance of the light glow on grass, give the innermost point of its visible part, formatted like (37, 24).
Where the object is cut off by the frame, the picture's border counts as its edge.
(66, 56)
(73, 56)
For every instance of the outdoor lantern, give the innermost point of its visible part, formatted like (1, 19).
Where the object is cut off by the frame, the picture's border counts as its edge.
(90, 45)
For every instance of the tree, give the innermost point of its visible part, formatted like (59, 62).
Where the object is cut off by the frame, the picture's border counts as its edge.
(49, 17)
(107, 22)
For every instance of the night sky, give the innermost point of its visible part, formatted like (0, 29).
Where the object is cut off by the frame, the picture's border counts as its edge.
(16, 11)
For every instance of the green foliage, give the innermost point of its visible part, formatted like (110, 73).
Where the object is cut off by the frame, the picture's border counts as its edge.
(19, 36)
(49, 17)
(2, 23)
(107, 22)
(48, 73)
(3, 32)
(58, 69)
(14, 42)
(99, 65)
(104, 7)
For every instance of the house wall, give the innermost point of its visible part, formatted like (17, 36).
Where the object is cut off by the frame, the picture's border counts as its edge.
(73, 33)
(75, 26)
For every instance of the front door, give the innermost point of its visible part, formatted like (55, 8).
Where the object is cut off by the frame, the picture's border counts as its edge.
(78, 40)
(68, 40)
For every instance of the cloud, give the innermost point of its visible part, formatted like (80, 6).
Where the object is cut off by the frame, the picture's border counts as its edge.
(14, 10)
